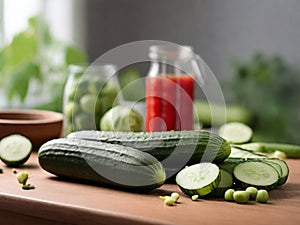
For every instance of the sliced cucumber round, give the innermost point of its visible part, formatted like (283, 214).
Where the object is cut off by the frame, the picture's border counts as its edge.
(225, 183)
(199, 179)
(236, 132)
(257, 174)
(284, 169)
(15, 149)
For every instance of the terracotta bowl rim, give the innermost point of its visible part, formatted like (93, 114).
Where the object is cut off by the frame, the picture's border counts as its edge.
(35, 116)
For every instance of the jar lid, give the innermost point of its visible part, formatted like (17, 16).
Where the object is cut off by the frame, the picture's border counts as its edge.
(93, 68)
(171, 52)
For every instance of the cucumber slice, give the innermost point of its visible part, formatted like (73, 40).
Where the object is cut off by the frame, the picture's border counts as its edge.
(276, 167)
(257, 174)
(237, 152)
(236, 132)
(225, 183)
(199, 179)
(229, 164)
(284, 168)
(15, 149)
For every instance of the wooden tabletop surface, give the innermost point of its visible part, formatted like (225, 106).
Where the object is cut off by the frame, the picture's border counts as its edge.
(55, 201)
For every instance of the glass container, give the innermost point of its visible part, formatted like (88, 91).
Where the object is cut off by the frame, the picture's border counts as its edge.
(88, 94)
(170, 85)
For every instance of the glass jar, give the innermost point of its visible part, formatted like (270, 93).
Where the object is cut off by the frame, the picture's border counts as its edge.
(170, 88)
(89, 93)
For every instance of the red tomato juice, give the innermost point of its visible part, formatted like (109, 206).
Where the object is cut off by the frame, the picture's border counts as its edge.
(169, 102)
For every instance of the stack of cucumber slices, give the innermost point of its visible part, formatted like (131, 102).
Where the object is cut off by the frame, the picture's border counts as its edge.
(244, 168)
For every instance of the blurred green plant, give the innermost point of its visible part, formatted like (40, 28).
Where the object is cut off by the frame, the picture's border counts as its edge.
(132, 84)
(35, 56)
(269, 87)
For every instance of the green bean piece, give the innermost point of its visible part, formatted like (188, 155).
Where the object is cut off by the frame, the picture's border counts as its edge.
(195, 197)
(169, 201)
(164, 197)
(28, 186)
(22, 177)
(175, 196)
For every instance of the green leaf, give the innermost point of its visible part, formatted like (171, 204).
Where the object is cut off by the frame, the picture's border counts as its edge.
(38, 24)
(19, 80)
(74, 55)
(24, 47)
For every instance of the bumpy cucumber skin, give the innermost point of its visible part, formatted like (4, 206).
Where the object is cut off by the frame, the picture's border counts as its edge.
(74, 158)
(200, 146)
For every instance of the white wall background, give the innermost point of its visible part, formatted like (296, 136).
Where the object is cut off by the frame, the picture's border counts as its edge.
(66, 18)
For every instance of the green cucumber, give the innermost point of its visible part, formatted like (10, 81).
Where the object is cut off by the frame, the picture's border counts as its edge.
(15, 149)
(107, 164)
(199, 179)
(291, 151)
(236, 132)
(193, 146)
(225, 183)
(257, 174)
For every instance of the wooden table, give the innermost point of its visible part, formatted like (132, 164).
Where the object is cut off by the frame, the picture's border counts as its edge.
(56, 201)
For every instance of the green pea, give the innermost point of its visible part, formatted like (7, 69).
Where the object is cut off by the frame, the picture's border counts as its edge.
(228, 195)
(252, 192)
(88, 103)
(262, 196)
(241, 197)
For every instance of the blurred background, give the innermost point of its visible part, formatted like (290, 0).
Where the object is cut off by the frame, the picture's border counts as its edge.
(252, 46)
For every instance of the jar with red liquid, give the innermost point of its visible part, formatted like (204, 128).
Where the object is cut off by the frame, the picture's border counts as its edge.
(170, 87)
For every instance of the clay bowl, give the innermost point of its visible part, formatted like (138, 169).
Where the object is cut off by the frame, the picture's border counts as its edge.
(37, 125)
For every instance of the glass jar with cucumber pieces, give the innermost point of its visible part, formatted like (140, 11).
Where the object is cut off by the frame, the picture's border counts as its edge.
(90, 91)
